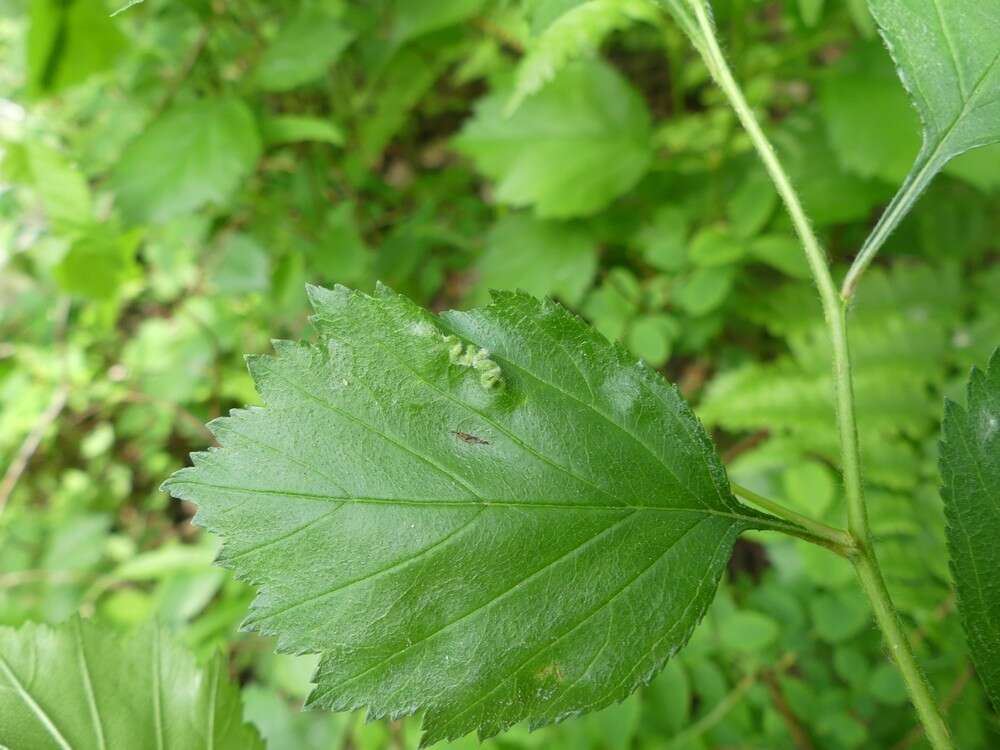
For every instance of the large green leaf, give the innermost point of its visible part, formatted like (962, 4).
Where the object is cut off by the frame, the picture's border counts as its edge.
(568, 150)
(489, 516)
(970, 470)
(195, 154)
(948, 56)
(80, 685)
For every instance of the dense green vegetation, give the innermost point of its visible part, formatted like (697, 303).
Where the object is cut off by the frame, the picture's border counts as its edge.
(174, 175)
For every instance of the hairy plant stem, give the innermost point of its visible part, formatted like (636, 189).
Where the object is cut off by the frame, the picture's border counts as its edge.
(836, 539)
(834, 309)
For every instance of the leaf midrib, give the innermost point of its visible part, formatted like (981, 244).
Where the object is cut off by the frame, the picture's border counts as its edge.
(944, 135)
(484, 502)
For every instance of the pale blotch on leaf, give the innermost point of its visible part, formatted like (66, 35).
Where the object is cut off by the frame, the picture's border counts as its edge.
(469, 355)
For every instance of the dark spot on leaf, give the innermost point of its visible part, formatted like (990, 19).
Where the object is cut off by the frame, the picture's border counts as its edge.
(470, 439)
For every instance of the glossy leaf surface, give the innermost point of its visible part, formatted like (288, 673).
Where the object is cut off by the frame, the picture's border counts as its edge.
(970, 470)
(491, 515)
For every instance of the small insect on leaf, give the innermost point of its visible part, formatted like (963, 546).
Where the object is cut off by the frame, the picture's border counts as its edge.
(470, 439)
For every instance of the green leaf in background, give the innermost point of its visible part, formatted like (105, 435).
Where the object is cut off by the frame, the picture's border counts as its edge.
(303, 50)
(113, 690)
(809, 486)
(194, 154)
(489, 516)
(715, 246)
(240, 266)
(970, 471)
(68, 42)
(811, 11)
(872, 126)
(294, 128)
(831, 194)
(60, 186)
(752, 204)
(544, 258)
(98, 263)
(664, 240)
(705, 289)
(570, 149)
(948, 56)
(408, 77)
(652, 337)
(411, 20)
(781, 251)
(746, 631)
(341, 253)
(613, 303)
(576, 33)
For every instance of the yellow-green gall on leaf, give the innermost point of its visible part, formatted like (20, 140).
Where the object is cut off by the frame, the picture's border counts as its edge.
(469, 355)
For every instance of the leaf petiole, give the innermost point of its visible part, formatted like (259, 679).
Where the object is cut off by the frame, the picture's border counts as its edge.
(900, 206)
(820, 533)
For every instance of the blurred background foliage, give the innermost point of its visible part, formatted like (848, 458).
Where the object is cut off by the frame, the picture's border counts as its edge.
(173, 175)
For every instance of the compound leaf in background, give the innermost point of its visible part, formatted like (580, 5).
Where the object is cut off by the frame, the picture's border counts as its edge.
(544, 258)
(195, 154)
(576, 33)
(948, 56)
(970, 471)
(82, 685)
(488, 516)
(568, 150)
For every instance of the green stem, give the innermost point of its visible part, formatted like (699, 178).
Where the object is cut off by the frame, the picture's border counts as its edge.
(836, 537)
(873, 584)
(834, 309)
